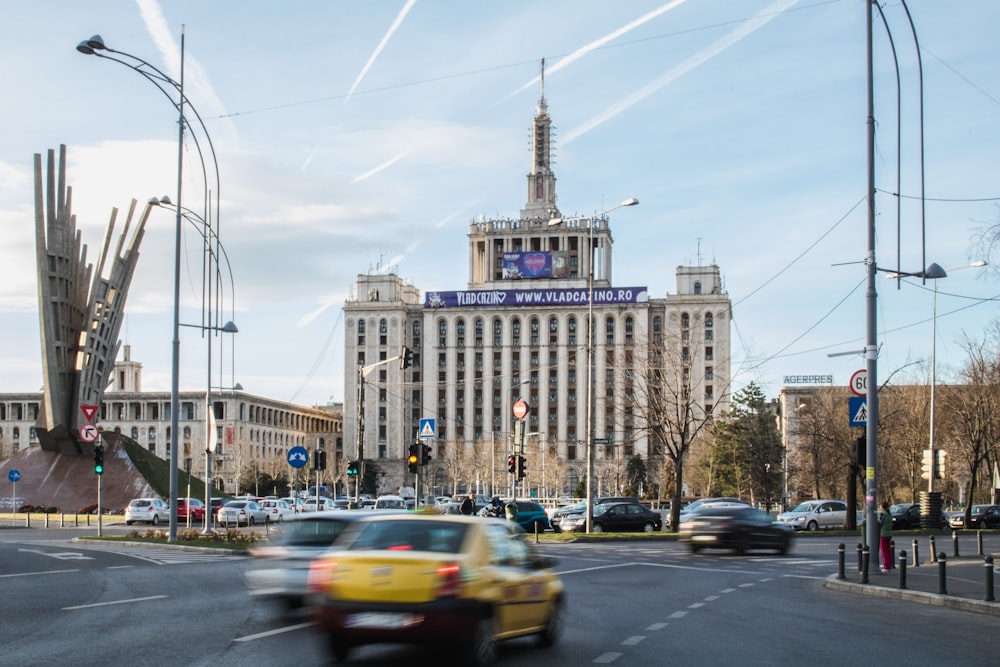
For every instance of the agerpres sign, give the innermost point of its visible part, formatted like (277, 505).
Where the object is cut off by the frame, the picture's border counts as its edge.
(808, 379)
(535, 297)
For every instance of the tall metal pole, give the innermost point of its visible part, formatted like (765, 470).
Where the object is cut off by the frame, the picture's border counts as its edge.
(590, 377)
(930, 478)
(871, 301)
(175, 370)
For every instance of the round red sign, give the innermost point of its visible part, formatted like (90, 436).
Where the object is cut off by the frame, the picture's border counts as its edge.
(520, 410)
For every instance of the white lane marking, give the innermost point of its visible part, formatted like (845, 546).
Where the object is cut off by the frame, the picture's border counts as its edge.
(32, 574)
(107, 604)
(746, 585)
(632, 641)
(276, 631)
(711, 598)
(678, 614)
(696, 605)
(607, 658)
(593, 569)
(657, 626)
(61, 555)
(728, 590)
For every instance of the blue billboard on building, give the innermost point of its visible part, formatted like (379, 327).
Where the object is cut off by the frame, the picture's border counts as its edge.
(507, 298)
(527, 265)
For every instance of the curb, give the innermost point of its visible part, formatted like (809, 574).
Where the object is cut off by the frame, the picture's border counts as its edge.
(934, 599)
(166, 545)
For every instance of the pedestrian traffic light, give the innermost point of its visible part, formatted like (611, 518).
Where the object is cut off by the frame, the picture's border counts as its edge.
(406, 359)
(319, 460)
(861, 451)
(521, 467)
(511, 463)
(413, 460)
(425, 454)
(99, 459)
(352, 469)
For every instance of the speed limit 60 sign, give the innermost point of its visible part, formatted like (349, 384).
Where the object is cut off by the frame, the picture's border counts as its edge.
(859, 383)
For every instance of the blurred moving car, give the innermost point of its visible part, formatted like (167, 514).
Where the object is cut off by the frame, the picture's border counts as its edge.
(277, 510)
(280, 567)
(390, 502)
(430, 578)
(192, 505)
(614, 517)
(733, 527)
(981, 516)
(148, 510)
(816, 514)
(242, 513)
(696, 506)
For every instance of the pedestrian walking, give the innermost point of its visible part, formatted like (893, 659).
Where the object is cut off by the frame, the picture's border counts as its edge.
(468, 506)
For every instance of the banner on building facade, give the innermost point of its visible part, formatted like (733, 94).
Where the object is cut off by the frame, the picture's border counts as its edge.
(527, 265)
(512, 298)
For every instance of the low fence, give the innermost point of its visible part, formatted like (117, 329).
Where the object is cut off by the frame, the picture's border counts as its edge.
(54, 519)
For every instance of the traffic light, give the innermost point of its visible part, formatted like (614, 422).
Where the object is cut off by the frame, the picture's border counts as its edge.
(521, 467)
(406, 359)
(319, 460)
(99, 459)
(425, 454)
(413, 460)
(352, 469)
(861, 451)
(511, 463)
(939, 455)
(927, 464)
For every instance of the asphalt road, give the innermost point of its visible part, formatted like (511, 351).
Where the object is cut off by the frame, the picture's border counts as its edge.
(630, 604)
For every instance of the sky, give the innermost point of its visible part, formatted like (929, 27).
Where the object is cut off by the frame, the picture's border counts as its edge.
(357, 136)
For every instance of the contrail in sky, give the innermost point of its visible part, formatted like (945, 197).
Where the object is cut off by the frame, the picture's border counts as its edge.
(378, 49)
(597, 43)
(384, 165)
(715, 49)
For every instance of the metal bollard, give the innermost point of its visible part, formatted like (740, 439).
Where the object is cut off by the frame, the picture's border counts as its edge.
(841, 553)
(954, 541)
(989, 579)
(865, 557)
(76, 520)
(46, 519)
(916, 555)
(859, 557)
(62, 519)
(27, 520)
(979, 543)
(942, 566)
(902, 569)
(933, 551)
(892, 552)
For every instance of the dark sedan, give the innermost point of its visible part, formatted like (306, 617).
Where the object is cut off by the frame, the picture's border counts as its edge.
(737, 528)
(614, 518)
(980, 516)
(905, 516)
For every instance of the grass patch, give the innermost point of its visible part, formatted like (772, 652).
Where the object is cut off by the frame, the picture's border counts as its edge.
(156, 471)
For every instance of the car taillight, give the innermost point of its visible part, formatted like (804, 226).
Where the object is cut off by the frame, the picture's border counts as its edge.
(449, 580)
(320, 573)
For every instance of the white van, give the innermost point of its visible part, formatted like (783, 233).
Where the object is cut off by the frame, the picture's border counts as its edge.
(390, 503)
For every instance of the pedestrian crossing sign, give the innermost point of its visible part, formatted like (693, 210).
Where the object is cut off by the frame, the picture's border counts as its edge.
(426, 428)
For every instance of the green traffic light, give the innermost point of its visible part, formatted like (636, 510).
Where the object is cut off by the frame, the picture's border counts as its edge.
(99, 470)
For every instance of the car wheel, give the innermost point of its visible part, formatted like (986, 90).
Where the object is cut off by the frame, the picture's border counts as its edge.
(783, 547)
(250, 522)
(812, 526)
(339, 648)
(128, 523)
(482, 650)
(649, 527)
(554, 626)
(597, 528)
(743, 545)
(156, 519)
(693, 548)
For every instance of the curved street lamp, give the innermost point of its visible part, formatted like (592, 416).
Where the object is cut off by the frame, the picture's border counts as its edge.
(590, 345)
(95, 46)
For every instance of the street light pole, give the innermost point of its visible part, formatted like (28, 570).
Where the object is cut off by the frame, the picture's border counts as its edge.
(590, 348)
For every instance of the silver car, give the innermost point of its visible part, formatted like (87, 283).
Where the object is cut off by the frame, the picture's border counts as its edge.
(277, 510)
(148, 510)
(241, 513)
(816, 514)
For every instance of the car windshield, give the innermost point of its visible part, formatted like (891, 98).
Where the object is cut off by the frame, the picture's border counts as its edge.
(979, 509)
(308, 533)
(805, 507)
(236, 504)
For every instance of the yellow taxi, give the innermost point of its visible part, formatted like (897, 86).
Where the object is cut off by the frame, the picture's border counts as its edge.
(435, 578)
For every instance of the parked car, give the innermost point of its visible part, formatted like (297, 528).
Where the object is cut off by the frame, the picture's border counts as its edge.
(816, 514)
(390, 502)
(192, 505)
(148, 510)
(295, 503)
(241, 513)
(450, 572)
(734, 527)
(321, 504)
(531, 516)
(217, 504)
(905, 515)
(617, 517)
(280, 568)
(981, 516)
(277, 510)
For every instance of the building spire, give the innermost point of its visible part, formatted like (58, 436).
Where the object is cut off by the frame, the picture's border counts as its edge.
(541, 181)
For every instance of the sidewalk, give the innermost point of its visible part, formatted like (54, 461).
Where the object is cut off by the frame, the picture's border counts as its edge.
(964, 586)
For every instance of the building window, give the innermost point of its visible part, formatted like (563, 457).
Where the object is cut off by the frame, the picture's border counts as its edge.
(685, 321)
(708, 334)
(708, 354)
(515, 328)
(609, 328)
(709, 320)
(629, 331)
